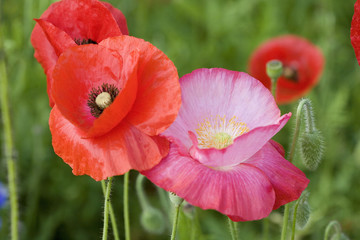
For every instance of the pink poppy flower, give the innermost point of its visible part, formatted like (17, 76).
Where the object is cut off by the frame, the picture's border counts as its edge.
(355, 30)
(222, 156)
(73, 22)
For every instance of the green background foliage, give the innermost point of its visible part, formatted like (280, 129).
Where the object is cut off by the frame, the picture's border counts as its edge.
(54, 204)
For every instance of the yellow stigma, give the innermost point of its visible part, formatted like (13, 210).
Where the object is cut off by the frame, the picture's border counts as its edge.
(218, 132)
(103, 100)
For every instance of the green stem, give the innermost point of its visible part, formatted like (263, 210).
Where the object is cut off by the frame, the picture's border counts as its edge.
(337, 227)
(273, 86)
(175, 222)
(294, 219)
(233, 230)
(290, 158)
(106, 209)
(9, 149)
(140, 192)
(112, 214)
(266, 226)
(126, 206)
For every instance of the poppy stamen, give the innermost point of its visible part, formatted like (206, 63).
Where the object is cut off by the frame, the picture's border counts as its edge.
(290, 73)
(101, 98)
(85, 41)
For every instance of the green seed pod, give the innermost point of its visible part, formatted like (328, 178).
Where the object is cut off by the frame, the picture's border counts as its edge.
(274, 69)
(175, 199)
(152, 220)
(311, 148)
(302, 209)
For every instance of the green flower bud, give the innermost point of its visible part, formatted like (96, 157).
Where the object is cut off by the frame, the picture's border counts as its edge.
(311, 148)
(175, 199)
(152, 220)
(274, 69)
(340, 236)
(302, 209)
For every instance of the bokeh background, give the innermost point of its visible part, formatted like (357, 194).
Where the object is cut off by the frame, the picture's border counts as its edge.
(55, 204)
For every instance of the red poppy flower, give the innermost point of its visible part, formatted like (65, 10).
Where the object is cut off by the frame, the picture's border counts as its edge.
(302, 61)
(111, 102)
(70, 22)
(355, 30)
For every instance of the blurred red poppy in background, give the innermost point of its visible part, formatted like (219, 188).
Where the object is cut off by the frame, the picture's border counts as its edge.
(355, 30)
(111, 102)
(302, 66)
(69, 23)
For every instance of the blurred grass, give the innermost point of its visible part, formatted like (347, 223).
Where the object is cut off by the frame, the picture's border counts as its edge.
(54, 204)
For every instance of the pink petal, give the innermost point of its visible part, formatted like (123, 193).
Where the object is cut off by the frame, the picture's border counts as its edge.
(243, 191)
(243, 147)
(211, 92)
(288, 181)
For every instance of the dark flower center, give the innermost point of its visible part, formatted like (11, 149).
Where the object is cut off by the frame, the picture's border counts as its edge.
(101, 98)
(290, 73)
(85, 41)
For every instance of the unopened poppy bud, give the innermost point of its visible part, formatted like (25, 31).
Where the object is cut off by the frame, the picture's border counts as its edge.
(175, 199)
(274, 69)
(303, 211)
(152, 221)
(311, 148)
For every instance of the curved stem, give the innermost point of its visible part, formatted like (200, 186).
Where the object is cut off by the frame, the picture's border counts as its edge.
(112, 214)
(126, 206)
(140, 192)
(175, 222)
(337, 227)
(9, 154)
(233, 230)
(106, 209)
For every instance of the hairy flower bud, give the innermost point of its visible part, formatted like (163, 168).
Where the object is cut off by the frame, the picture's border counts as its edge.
(302, 209)
(311, 148)
(152, 221)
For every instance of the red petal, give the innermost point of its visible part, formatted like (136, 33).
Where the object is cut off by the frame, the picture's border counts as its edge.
(287, 180)
(119, 17)
(294, 52)
(115, 153)
(355, 30)
(243, 191)
(84, 19)
(59, 40)
(158, 98)
(82, 68)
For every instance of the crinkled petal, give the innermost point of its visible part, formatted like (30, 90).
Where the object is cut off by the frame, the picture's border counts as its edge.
(115, 153)
(84, 19)
(355, 30)
(208, 93)
(119, 18)
(243, 191)
(158, 97)
(287, 180)
(59, 40)
(243, 147)
(82, 68)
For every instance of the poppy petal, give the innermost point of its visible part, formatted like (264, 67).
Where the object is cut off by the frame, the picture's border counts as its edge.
(83, 68)
(212, 93)
(158, 98)
(119, 18)
(243, 147)
(355, 30)
(58, 39)
(115, 153)
(243, 191)
(93, 20)
(287, 180)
